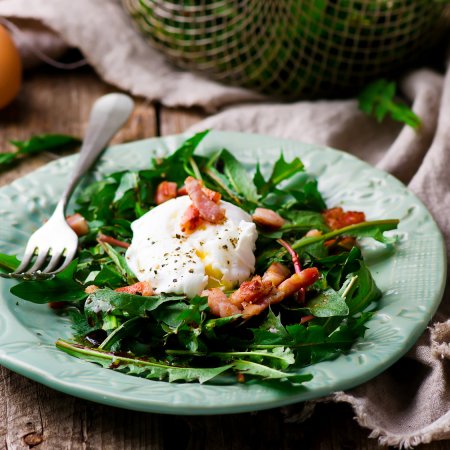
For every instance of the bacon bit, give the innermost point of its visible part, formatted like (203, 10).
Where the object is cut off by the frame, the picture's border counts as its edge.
(191, 219)
(305, 319)
(251, 291)
(256, 295)
(313, 233)
(267, 218)
(337, 218)
(113, 241)
(219, 304)
(143, 288)
(212, 195)
(165, 191)
(287, 288)
(78, 224)
(299, 280)
(347, 242)
(253, 309)
(344, 242)
(207, 208)
(276, 273)
(91, 289)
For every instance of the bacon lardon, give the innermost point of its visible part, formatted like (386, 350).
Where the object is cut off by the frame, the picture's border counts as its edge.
(165, 191)
(190, 220)
(259, 293)
(267, 218)
(209, 210)
(143, 288)
(337, 218)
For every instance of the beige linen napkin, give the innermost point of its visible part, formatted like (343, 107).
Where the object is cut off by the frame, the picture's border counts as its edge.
(408, 404)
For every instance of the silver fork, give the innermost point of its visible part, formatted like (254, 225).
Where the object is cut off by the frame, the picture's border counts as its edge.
(55, 241)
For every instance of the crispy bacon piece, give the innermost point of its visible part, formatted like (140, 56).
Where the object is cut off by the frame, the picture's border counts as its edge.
(143, 288)
(78, 224)
(166, 190)
(208, 209)
(299, 280)
(212, 195)
(287, 288)
(267, 218)
(276, 273)
(219, 304)
(248, 295)
(251, 291)
(256, 295)
(191, 219)
(313, 233)
(337, 218)
(347, 242)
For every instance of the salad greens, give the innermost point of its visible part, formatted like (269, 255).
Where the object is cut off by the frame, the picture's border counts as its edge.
(378, 100)
(175, 338)
(36, 144)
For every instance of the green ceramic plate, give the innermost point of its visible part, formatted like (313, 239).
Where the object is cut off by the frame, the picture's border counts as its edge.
(411, 294)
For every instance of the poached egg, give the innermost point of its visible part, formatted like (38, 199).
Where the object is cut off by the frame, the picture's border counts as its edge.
(214, 255)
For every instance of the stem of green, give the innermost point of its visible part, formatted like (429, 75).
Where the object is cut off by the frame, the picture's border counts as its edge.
(212, 175)
(350, 285)
(304, 242)
(195, 168)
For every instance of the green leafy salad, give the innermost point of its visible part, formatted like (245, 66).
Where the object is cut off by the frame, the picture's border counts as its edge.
(197, 270)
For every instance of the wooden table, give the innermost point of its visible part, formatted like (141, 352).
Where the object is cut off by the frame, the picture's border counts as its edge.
(34, 416)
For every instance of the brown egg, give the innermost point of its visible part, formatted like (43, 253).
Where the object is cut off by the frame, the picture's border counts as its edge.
(10, 68)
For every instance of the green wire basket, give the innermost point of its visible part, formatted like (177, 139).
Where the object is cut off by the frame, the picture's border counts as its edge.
(292, 48)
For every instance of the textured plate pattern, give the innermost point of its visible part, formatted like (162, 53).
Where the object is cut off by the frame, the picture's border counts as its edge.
(411, 295)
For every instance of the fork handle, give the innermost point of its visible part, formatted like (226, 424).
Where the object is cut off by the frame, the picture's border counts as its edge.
(108, 115)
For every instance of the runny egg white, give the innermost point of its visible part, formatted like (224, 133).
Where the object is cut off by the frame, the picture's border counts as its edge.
(214, 255)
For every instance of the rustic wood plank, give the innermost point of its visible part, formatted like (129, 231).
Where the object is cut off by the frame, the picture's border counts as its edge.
(55, 102)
